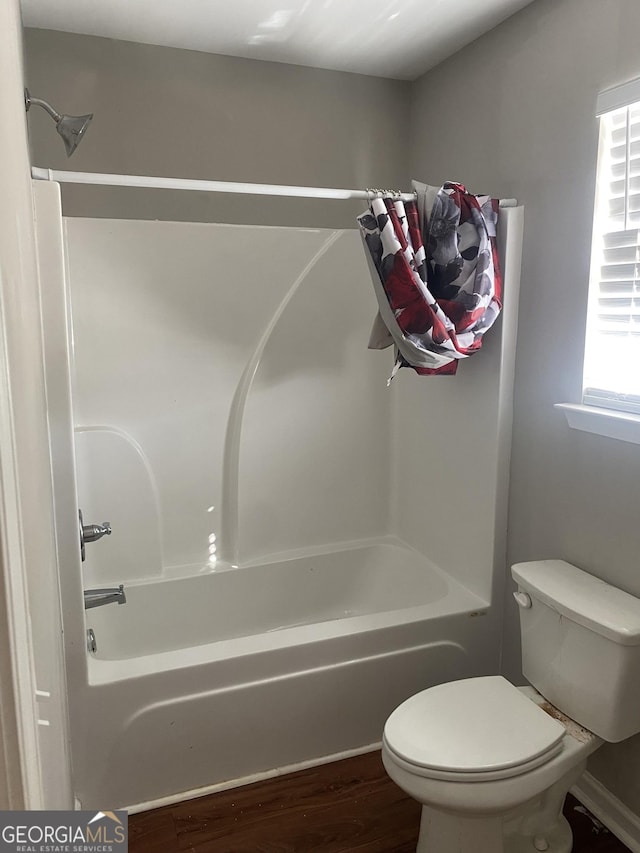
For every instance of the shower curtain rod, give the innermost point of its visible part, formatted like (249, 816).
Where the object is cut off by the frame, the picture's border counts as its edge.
(216, 186)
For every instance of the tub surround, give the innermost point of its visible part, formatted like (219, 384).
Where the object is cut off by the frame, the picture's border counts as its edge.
(221, 355)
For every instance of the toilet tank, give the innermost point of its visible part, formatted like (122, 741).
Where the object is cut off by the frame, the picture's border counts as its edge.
(581, 645)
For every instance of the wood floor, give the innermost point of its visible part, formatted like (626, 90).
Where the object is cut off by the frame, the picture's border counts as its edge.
(349, 806)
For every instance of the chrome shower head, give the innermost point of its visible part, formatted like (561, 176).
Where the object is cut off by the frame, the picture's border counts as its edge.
(70, 128)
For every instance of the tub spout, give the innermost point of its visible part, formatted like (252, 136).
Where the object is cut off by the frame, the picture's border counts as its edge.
(98, 597)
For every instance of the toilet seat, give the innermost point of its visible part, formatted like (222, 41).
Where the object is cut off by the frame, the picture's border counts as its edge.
(478, 729)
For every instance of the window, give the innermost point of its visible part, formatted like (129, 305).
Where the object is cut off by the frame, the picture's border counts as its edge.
(612, 353)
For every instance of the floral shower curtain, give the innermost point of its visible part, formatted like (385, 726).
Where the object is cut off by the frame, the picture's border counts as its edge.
(435, 271)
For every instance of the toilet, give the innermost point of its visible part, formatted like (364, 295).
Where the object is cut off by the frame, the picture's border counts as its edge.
(491, 763)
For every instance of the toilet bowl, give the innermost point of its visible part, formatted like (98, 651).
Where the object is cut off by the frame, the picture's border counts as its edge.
(490, 763)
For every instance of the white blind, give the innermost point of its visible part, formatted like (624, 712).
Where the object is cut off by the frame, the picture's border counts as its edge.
(612, 356)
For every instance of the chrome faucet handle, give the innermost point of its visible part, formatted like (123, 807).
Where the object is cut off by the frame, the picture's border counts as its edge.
(91, 532)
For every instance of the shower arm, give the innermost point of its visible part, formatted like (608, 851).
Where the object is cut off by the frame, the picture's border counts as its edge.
(38, 102)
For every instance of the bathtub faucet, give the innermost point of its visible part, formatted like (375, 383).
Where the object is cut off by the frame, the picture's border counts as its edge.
(98, 597)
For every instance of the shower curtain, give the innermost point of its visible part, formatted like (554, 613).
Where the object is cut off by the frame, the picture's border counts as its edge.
(435, 273)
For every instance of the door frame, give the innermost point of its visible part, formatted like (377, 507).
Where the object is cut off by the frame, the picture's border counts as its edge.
(34, 754)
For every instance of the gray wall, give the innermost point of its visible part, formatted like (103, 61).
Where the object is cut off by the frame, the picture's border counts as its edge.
(180, 113)
(513, 114)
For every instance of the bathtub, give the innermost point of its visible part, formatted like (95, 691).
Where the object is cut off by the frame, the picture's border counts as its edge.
(209, 681)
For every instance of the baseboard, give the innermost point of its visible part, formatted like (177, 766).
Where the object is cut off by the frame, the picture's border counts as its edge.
(617, 817)
(247, 780)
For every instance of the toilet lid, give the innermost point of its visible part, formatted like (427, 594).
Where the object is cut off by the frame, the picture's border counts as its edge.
(476, 725)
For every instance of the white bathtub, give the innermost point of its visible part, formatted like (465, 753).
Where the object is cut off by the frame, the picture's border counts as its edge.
(215, 679)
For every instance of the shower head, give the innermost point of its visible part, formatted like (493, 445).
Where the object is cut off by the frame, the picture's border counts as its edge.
(70, 128)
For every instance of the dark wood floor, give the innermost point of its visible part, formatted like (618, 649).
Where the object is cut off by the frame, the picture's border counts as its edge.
(350, 806)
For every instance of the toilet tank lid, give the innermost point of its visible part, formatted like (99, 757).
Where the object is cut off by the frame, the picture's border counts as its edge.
(583, 598)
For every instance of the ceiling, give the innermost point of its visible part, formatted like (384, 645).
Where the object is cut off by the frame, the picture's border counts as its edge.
(387, 38)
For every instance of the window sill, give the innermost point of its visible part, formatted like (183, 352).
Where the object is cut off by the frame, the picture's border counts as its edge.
(620, 425)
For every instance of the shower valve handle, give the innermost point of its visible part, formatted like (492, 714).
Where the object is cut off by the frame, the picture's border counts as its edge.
(92, 532)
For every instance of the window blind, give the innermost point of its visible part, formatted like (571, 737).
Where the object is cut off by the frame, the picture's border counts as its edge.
(612, 355)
